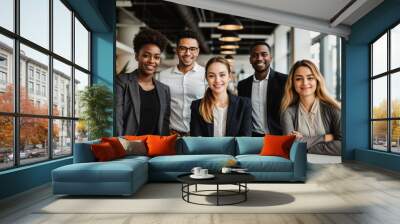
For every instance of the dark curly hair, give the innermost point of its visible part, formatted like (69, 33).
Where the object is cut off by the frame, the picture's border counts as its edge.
(187, 34)
(149, 36)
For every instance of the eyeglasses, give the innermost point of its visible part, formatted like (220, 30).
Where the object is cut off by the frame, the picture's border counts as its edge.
(183, 49)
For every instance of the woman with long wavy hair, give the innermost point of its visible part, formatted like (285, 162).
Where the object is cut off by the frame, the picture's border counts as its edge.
(220, 113)
(308, 111)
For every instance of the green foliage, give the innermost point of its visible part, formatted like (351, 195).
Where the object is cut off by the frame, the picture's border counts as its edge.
(97, 102)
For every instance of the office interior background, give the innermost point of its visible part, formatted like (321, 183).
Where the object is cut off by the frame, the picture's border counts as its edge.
(47, 58)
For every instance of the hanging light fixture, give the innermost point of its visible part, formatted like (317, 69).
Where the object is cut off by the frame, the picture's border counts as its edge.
(227, 52)
(230, 23)
(229, 46)
(229, 36)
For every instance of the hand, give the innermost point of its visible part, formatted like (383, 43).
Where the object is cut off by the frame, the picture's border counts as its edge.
(329, 138)
(297, 134)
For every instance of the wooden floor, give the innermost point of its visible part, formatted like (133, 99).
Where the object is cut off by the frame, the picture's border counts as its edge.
(377, 188)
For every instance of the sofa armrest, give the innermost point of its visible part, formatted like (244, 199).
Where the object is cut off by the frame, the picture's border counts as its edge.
(298, 155)
(83, 152)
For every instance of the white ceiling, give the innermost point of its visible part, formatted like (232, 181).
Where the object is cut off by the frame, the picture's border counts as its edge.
(315, 15)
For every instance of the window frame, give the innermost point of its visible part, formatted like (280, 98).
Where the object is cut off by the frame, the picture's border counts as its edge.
(388, 74)
(15, 72)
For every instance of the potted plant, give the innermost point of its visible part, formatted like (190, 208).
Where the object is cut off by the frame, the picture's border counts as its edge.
(96, 102)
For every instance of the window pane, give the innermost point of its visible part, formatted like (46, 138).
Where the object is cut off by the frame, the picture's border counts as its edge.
(395, 47)
(379, 135)
(6, 142)
(379, 55)
(7, 14)
(379, 97)
(81, 45)
(34, 97)
(395, 138)
(62, 141)
(35, 21)
(62, 89)
(81, 81)
(6, 74)
(395, 94)
(81, 131)
(33, 140)
(62, 29)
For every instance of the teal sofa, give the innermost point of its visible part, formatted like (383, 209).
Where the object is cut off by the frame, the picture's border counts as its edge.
(125, 176)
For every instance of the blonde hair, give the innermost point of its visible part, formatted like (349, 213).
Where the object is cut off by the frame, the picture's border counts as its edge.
(291, 97)
(207, 102)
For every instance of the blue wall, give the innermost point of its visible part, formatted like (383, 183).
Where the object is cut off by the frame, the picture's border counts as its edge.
(356, 99)
(99, 16)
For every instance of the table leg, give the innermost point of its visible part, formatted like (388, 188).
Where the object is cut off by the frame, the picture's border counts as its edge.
(217, 194)
(245, 191)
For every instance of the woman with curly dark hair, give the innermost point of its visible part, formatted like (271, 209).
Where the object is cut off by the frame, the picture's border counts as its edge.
(143, 103)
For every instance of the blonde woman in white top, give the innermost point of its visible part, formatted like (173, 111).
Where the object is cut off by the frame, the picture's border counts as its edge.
(219, 113)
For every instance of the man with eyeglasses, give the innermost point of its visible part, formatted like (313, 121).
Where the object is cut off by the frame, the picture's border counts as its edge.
(186, 82)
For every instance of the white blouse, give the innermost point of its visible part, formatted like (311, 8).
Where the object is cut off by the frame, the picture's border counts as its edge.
(220, 116)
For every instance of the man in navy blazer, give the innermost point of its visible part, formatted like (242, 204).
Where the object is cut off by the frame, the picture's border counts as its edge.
(265, 89)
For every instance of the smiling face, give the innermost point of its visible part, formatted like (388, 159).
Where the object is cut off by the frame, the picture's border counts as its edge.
(304, 82)
(260, 58)
(148, 58)
(187, 51)
(218, 77)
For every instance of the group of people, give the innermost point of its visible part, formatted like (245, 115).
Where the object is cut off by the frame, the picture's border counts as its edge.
(191, 100)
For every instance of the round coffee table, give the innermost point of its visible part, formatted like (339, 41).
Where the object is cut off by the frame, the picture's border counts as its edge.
(238, 179)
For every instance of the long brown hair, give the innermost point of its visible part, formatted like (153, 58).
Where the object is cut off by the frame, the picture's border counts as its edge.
(207, 102)
(292, 97)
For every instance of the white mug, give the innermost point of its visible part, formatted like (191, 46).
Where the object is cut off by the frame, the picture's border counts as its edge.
(196, 170)
(226, 170)
(203, 172)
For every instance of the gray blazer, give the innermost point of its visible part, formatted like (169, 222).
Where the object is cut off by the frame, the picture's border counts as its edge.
(316, 144)
(128, 105)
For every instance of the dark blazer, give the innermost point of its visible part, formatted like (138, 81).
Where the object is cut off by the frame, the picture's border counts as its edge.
(275, 90)
(238, 119)
(128, 105)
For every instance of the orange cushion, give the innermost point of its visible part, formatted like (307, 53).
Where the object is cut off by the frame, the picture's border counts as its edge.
(134, 137)
(161, 145)
(116, 145)
(103, 151)
(275, 145)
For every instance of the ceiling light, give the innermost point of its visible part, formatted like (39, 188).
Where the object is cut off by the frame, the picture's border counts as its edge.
(229, 46)
(228, 52)
(229, 36)
(230, 23)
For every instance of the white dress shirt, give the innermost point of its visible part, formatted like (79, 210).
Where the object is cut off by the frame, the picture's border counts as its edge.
(184, 89)
(220, 116)
(259, 104)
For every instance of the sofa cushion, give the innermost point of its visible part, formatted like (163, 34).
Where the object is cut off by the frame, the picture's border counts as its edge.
(257, 163)
(206, 145)
(161, 145)
(134, 147)
(116, 144)
(277, 145)
(112, 171)
(103, 152)
(249, 145)
(185, 163)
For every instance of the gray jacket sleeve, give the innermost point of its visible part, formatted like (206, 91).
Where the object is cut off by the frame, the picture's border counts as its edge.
(119, 105)
(288, 123)
(167, 114)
